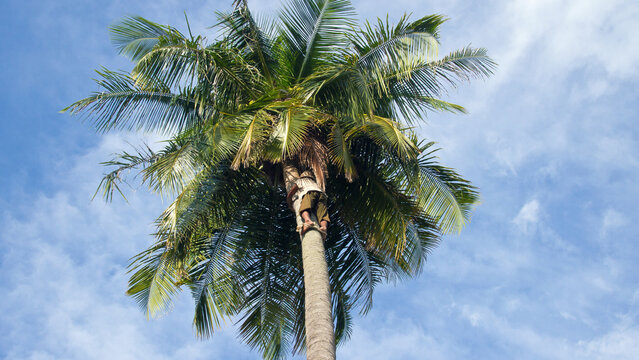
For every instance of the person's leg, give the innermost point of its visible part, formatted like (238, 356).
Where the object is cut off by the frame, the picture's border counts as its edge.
(306, 206)
(322, 213)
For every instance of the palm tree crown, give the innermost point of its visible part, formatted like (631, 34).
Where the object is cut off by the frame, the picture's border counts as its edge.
(312, 88)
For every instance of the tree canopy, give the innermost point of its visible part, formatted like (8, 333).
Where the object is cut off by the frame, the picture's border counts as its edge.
(310, 86)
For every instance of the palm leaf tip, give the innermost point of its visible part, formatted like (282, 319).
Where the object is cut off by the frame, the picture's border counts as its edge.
(135, 36)
(429, 24)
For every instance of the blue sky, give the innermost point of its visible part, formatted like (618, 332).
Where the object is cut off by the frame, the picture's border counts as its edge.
(547, 269)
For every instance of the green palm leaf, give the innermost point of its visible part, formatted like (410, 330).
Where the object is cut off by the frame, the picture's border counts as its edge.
(135, 36)
(289, 133)
(124, 105)
(242, 32)
(314, 29)
(215, 290)
(153, 282)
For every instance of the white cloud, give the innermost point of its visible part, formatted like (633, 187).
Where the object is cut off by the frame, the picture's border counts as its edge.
(558, 61)
(528, 215)
(612, 219)
(619, 344)
(622, 343)
(554, 38)
(393, 337)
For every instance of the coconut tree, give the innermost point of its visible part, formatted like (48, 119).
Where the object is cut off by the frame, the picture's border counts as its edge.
(309, 89)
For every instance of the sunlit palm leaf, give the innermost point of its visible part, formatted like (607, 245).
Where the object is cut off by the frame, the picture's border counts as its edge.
(387, 133)
(126, 106)
(398, 49)
(135, 36)
(315, 29)
(153, 282)
(257, 130)
(290, 131)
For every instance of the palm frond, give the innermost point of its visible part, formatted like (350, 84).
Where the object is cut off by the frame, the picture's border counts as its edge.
(398, 49)
(124, 105)
(123, 162)
(153, 282)
(340, 153)
(464, 64)
(257, 130)
(346, 91)
(380, 205)
(222, 76)
(172, 168)
(215, 289)
(213, 195)
(418, 88)
(431, 77)
(443, 194)
(315, 29)
(290, 131)
(412, 105)
(242, 32)
(387, 133)
(271, 272)
(136, 36)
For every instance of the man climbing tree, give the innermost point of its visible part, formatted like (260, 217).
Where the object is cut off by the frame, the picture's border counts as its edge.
(307, 199)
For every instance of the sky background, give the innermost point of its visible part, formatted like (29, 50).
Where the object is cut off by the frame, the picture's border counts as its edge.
(547, 269)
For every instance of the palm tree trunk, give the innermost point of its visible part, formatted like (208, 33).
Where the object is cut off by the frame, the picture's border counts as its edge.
(320, 337)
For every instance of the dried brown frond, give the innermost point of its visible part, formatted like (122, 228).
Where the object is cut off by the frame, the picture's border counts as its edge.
(314, 155)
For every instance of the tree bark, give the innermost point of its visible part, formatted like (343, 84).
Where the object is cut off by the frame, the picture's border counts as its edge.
(320, 337)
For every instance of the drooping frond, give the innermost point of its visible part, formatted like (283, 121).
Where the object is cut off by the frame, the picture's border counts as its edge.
(124, 105)
(173, 167)
(399, 49)
(215, 288)
(339, 153)
(271, 271)
(442, 194)
(428, 81)
(290, 131)
(123, 162)
(213, 195)
(354, 269)
(381, 208)
(153, 280)
(135, 36)
(387, 133)
(258, 126)
(445, 195)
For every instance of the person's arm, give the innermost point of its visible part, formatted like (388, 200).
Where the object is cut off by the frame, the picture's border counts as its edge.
(291, 193)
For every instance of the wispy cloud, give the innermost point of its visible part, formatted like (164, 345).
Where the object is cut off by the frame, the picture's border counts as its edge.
(528, 216)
